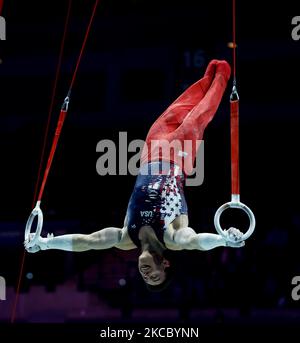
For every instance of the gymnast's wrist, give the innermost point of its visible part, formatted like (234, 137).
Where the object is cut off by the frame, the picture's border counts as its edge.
(45, 243)
(224, 242)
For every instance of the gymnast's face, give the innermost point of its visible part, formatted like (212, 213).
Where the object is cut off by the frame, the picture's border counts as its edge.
(152, 268)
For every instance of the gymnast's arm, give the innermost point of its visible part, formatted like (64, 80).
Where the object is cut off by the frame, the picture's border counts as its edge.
(103, 239)
(187, 238)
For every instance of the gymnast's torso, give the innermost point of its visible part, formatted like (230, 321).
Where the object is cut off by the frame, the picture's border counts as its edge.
(156, 201)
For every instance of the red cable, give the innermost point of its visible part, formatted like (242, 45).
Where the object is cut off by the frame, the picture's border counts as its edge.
(84, 43)
(61, 119)
(13, 315)
(234, 117)
(63, 112)
(234, 37)
(52, 101)
(1, 6)
(60, 123)
(234, 133)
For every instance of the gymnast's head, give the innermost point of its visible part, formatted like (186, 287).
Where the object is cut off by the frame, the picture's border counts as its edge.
(155, 269)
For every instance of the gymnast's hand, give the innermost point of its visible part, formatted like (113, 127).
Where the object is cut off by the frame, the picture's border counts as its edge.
(233, 238)
(39, 245)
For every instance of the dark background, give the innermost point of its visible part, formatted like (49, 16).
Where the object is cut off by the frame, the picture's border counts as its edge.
(140, 56)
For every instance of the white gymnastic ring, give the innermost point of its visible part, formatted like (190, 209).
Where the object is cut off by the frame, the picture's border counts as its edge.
(238, 205)
(35, 212)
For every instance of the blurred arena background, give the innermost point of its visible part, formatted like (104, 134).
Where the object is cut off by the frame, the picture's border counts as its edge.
(140, 56)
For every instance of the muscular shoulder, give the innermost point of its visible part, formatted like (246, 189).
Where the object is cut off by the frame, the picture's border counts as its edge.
(179, 223)
(179, 236)
(170, 243)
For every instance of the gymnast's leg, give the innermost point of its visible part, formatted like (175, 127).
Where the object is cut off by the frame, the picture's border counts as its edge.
(194, 124)
(185, 120)
(173, 116)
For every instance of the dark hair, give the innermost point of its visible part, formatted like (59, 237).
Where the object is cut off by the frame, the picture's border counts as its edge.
(169, 271)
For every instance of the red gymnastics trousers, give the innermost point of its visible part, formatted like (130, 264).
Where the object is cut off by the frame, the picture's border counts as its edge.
(176, 134)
